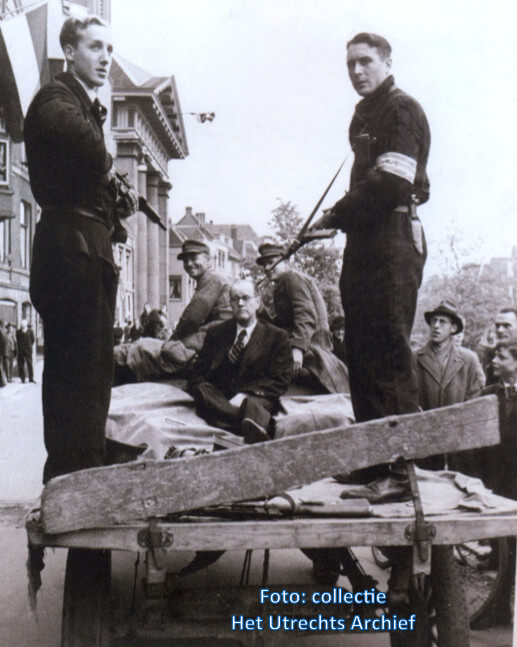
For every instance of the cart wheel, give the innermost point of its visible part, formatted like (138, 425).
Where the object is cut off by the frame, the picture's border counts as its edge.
(439, 604)
(489, 569)
(86, 602)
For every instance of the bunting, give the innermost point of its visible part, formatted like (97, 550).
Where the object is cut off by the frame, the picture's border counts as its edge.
(23, 64)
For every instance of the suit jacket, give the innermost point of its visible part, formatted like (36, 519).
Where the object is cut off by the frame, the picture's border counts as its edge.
(495, 465)
(301, 311)
(265, 367)
(24, 341)
(66, 154)
(462, 379)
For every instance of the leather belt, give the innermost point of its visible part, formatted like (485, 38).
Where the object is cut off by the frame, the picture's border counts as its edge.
(64, 211)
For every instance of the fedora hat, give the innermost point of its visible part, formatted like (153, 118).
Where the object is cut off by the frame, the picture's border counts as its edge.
(191, 246)
(268, 251)
(447, 308)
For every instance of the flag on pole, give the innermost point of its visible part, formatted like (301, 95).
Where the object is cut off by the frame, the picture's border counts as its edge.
(23, 64)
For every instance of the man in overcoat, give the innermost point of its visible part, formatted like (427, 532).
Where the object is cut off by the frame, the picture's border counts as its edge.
(446, 373)
(301, 311)
(24, 344)
(73, 275)
(245, 365)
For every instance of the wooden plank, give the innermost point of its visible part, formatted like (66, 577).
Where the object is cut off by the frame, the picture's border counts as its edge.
(120, 493)
(284, 534)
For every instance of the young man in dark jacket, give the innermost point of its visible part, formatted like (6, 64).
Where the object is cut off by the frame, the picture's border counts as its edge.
(73, 275)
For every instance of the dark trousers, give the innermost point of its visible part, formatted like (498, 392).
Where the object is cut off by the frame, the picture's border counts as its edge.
(7, 363)
(73, 287)
(382, 271)
(214, 406)
(10, 367)
(25, 361)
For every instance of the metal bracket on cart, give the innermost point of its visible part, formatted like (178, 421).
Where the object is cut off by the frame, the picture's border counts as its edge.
(156, 541)
(421, 533)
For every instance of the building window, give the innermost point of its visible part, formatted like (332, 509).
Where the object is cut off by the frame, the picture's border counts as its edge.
(25, 234)
(175, 288)
(4, 162)
(129, 267)
(5, 240)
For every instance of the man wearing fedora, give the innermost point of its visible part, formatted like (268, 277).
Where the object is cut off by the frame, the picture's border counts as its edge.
(446, 373)
(302, 313)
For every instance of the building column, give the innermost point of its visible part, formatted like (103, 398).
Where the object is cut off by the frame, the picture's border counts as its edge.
(163, 199)
(141, 246)
(153, 245)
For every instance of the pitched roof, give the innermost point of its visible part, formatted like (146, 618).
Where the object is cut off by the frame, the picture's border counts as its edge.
(158, 98)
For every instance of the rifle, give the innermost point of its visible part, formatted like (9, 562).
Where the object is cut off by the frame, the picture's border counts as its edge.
(124, 186)
(303, 236)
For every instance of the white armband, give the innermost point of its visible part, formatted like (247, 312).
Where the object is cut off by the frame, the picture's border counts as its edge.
(397, 164)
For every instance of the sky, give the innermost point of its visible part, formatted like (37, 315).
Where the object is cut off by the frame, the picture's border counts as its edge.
(274, 72)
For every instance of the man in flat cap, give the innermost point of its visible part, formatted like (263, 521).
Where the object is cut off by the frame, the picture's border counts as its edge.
(211, 300)
(301, 311)
(210, 304)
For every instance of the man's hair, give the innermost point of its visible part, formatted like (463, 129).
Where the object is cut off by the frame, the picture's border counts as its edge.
(372, 40)
(72, 28)
(248, 281)
(508, 309)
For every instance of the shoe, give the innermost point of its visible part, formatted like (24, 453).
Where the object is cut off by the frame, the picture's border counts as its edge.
(383, 490)
(362, 476)
(33, 381)
(253, 432)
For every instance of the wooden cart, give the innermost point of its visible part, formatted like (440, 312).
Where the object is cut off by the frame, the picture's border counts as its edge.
(435, 593)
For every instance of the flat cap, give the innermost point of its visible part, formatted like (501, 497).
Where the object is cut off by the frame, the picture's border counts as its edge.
(269, 250)
(192, 246)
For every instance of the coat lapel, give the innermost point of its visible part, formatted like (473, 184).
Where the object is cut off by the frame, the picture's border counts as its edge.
(454, 365)
(426, 360)
(225, 343)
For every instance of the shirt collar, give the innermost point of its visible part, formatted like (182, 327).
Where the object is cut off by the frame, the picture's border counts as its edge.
(91, 92)
(248, 330)
(379, 94)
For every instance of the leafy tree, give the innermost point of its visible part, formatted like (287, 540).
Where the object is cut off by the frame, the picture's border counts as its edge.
(473, 287)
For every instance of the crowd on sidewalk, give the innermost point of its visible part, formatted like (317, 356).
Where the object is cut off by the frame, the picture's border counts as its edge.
(16, 351)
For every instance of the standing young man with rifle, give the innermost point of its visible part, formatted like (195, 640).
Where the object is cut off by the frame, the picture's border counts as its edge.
(385, 251)
(384, 255)
(73, 275)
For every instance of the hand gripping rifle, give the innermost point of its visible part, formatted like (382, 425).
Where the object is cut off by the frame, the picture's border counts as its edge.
(124, 186)
(303, 235)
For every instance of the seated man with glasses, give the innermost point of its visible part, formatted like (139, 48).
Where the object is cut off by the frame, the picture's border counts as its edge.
(245, 365)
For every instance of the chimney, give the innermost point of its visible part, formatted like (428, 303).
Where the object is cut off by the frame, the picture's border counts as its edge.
(233, 233)
(201, 218)
(188, 211)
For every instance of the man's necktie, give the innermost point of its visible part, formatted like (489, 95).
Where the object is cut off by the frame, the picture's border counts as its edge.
(99, 112)
(235, 351)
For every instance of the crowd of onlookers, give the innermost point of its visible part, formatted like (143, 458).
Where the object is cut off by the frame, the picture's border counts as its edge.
(152, 323)
(16, 350)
